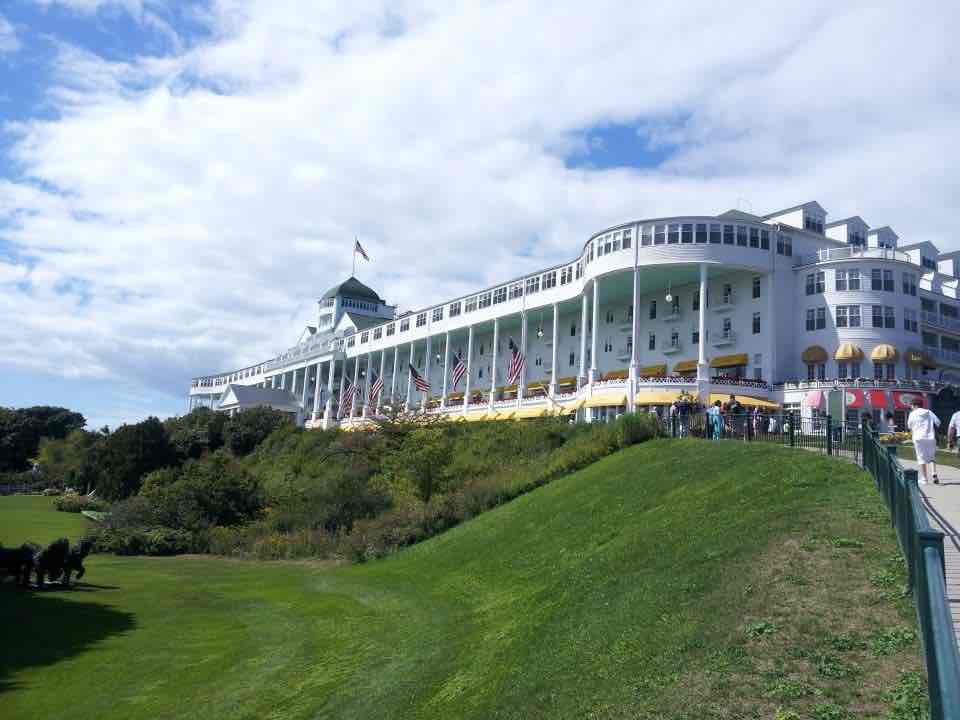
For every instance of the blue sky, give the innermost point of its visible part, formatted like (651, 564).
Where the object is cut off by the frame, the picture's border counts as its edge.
(180, 181)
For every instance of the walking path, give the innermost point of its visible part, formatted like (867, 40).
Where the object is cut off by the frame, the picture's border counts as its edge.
(942, 503)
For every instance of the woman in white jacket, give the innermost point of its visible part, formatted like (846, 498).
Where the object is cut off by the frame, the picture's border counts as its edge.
(923, 424)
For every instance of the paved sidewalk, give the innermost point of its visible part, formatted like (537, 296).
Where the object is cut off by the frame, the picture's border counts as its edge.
(942, 503)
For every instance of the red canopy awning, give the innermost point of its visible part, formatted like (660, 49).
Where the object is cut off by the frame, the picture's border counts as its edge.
(903, 400)
(814, 398)
(878, 399)
(853, 399)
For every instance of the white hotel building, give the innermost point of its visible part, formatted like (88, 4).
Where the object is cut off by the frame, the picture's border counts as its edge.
(780, 309)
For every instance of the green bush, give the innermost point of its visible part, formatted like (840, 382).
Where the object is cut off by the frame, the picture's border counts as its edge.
(154, 541)
(634, 428)
(74, 503)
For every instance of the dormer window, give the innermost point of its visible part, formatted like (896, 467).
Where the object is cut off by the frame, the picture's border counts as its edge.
(928, 263)
(813, 223)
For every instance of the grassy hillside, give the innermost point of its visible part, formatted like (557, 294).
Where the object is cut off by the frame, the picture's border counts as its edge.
(672, 580)
(31, 517)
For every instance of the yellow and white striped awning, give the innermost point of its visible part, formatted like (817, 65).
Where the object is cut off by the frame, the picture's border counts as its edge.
(607, 399)
(657, 397)
(533, 412)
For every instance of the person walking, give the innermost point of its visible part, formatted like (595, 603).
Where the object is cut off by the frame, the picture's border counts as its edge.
(683, 415)
(923, 425)
(715, 421)
(953, 428)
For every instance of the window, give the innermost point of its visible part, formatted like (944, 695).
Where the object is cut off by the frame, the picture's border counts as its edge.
(455, 309)
(910, 320)
(686, 235)
(701, 232)
(673, 235)
(928, 263)
(533, 285)
(756, 323)
(811, 322)
(364, 337)
(516, 290)
(728, 234)
(470, 304)
(695, 336)
(878, 316)
(607, 345)
(404, 324)
(888, 281)
(848, 316)
(928, 305)
(715, 233)
(754, 237)
(484, 301)
(696, 300)
(573, 329)
(579, 269)
(727, 293)
(889, 318)
(847, 280)
(646, 235)
(499, 295)
(549, 279)
(660, 235)
(815, 282)
(421, 319)
(813, 224)
(741, 235)
(391, 329)
(616, 242)
(764, 239)
(675, 305)
(377, 333)
(351, 341)
(909, 284)
(652, 341)
(481, 349)
(784, 245)
(566, 275)
(653, 310)
(848, 370)
(573, 360)
(674, 339)
(437, 314)
(756, 288)
(627, 239)
(757, 365)
(609, 317)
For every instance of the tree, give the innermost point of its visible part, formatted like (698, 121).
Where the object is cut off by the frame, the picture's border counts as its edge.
(66, 461)
(247, 429)
(122, 458)
(419, 462)
(196, 434)
(22, 429)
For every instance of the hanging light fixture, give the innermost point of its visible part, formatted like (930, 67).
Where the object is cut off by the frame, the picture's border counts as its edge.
(669, 297)
(540, 326)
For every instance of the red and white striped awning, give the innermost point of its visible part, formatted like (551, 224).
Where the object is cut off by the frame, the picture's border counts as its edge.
(814, 398)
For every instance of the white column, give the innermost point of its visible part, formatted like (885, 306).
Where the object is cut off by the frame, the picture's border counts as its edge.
(343, 380)
(316, 391)
(522, 380)
(353, 388)
(303, 392)
(466, 386)
(634, 342)
(283, 381)
(446, 368)
(770, 362)
(409, 379)
(555, 339)
(328, 406)
(383, 368)
(426, 374)
(703, 370)
(366, 387)
(493, 365)
(393, 376)
(583, 339)
(595, 331)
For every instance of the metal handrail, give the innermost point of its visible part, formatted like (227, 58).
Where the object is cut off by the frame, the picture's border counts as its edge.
(922, 547)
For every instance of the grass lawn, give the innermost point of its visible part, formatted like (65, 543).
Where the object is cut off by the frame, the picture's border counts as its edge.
(32, 517)
(677, 579)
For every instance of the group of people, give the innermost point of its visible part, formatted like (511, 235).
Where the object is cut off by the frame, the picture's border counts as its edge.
(731, 415)
(922, 424)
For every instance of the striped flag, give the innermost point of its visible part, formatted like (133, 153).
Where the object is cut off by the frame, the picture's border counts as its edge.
(375, 390)
(419, 380)
(516, 364)
(342, 403)
(458, 370)
(358, 248)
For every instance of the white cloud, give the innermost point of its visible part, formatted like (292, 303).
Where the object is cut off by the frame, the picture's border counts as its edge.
(8, 37)
(201, 202)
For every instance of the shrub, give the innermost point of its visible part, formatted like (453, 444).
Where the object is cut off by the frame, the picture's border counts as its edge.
(634, 428)
(154, 541)
(72, 502)
(245, 430)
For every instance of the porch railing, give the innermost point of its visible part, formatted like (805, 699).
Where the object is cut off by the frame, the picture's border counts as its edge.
(922, 547)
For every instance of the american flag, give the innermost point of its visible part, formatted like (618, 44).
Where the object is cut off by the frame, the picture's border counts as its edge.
(375, 390)
(342, 404)
(458, 370)
(419, 380)
(358, 248)
(516, 364)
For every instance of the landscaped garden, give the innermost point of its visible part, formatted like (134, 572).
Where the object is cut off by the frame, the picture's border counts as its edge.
(674, 579)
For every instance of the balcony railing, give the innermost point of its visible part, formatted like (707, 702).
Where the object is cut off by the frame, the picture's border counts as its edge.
(726, 303)
(830, 254)
(673, 346)
(940, 321)
(860, 382)
(948, 356)
(728, 337)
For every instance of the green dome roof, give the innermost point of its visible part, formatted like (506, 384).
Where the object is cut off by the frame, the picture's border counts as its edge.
(351, 287)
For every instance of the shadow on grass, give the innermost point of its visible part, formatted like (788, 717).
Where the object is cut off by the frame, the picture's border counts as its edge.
(41, 628)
